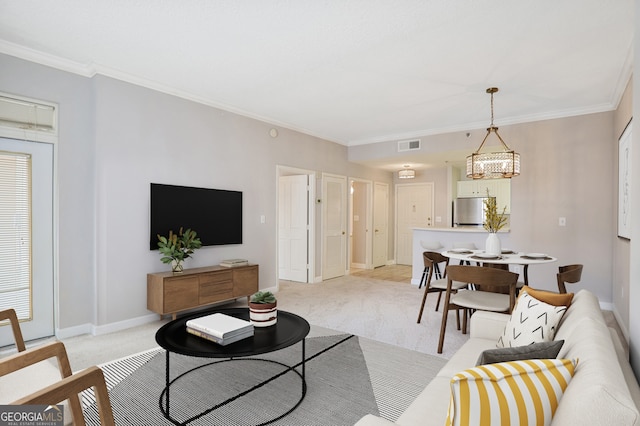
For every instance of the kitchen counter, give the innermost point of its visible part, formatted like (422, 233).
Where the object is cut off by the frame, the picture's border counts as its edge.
(447, 237)
(459, 229)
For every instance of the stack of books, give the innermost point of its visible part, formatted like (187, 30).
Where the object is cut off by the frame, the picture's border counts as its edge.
(230, 263)
(220, 328)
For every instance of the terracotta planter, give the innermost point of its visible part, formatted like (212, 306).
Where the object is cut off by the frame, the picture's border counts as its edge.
(263, 314)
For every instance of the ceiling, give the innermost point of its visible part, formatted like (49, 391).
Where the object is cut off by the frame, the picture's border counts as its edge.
(350, 71)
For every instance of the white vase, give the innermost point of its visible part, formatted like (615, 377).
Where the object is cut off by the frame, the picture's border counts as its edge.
(177, 266)
(492, 245)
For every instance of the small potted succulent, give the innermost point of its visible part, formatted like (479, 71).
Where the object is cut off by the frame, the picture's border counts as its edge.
(177, 247)
(263, 309)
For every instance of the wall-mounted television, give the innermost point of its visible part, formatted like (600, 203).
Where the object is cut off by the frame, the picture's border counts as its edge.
(215, 214)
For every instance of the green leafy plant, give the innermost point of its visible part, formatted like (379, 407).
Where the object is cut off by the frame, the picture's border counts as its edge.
(178, 247)
(263, 297)
(493, 221)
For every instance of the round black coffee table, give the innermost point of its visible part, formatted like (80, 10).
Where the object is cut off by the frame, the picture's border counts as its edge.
(288, 330)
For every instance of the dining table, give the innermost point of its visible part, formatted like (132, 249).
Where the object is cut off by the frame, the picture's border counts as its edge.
(507, 257)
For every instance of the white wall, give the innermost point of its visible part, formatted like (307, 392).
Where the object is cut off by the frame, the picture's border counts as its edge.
(116, 138)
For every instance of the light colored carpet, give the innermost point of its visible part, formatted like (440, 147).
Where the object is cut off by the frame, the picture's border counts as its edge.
(384, 311)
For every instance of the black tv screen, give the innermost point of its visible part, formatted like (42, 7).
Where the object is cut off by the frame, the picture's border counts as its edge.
(215, 214)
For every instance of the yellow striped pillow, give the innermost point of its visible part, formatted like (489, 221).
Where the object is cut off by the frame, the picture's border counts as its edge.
(514, 393)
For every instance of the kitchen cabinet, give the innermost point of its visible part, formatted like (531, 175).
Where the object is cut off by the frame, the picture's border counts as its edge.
(499, 188)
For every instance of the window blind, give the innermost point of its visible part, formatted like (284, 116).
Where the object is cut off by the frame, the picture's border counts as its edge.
(15, 233)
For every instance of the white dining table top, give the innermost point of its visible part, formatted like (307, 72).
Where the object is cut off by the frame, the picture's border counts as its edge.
(507, 258)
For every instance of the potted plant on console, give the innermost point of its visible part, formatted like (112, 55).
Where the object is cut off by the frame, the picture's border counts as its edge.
(177, 247)
(263, 309)
(493, 222)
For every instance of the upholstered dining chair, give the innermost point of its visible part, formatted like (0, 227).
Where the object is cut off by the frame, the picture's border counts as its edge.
(568, 274)
(478, 299)
(431, 260)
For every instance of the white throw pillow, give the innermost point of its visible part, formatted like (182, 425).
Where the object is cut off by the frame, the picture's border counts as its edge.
(531, 321)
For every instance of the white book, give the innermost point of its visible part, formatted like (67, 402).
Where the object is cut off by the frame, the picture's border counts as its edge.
(218, 340)
(234, 262)
(220, 325)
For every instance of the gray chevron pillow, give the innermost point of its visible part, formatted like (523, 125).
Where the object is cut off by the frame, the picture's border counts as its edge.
(531, 321)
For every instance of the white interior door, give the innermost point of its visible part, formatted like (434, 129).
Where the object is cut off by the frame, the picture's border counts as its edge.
(414, 209)
(293, 228)
(26, 263)
(334, 226)
(360, 249)
(380, 223)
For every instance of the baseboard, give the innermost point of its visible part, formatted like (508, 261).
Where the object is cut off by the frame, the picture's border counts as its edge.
(78, 330)
(618, 318)
(96, 330)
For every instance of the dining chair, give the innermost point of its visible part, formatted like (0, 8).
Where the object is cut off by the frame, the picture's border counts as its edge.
(479, 299)
(431, 260)
(568, 274)
(430, 245)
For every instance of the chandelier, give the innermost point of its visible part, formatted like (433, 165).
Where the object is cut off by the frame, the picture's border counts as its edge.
(406, 173)
(491, 165)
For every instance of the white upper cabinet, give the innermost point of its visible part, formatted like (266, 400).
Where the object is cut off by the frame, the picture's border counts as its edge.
(499, 188)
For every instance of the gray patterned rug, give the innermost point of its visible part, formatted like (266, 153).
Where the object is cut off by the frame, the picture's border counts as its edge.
(346, 377)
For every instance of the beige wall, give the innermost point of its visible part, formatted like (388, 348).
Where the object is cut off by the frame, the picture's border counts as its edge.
(621, 246)
(567, 171)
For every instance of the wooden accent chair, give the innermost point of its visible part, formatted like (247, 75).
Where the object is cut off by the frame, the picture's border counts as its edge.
(479, 299)
(430, 246)
(568, 274)
(431, 260)
(21, 373)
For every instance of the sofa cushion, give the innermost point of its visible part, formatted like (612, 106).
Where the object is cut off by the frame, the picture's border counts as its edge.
(430, 407)
(584, 305)
(549, 297)
(465, 357)
(531, 321)
(508, 392)
(541, 350)
(598, 394)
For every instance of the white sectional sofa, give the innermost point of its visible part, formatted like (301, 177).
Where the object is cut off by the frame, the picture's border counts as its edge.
(603, 390)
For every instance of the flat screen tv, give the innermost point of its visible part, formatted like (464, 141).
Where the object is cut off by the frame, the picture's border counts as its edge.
(215, 214)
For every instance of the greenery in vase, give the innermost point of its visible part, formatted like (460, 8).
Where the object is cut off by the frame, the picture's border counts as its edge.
(493, 221)
(178, 247)
(263, 297)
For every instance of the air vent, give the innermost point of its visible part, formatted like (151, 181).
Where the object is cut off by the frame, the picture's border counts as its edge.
(409, 145)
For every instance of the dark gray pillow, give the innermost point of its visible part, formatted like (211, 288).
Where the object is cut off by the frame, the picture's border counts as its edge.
(540, 350)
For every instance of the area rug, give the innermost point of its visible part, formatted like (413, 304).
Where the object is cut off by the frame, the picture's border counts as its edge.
(347, 377)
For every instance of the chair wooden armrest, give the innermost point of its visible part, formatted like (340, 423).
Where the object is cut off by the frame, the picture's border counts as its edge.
(69, 388)
(38, 354)
(10, 314)
(32, 356)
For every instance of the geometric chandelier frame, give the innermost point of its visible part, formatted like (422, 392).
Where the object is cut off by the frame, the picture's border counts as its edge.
(493, 165)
